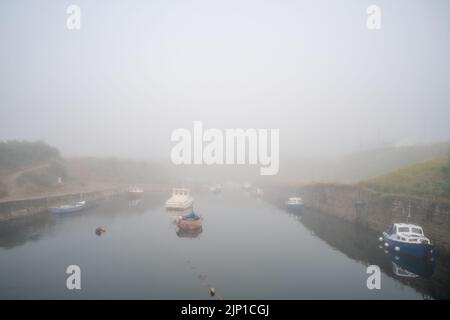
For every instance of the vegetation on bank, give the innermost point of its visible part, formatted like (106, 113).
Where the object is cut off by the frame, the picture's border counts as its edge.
(425, 179)
(43, 179)
(35, 168)
(361, 165)
(371, 163)
(20, 154)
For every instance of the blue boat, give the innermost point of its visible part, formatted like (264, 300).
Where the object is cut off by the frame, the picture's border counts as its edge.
(68, 208)
(408, 239)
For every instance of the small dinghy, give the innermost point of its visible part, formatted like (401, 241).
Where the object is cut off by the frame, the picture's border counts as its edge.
(190, 221)
(408, 239)
(258, 193)
(216, 189)
(68, 208)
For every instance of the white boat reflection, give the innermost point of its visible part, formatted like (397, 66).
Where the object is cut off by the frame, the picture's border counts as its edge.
(135, 202)
(398, 271)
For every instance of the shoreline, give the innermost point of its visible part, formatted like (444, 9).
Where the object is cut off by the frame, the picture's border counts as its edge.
(372, 209)
(25, 207)
(16, 208)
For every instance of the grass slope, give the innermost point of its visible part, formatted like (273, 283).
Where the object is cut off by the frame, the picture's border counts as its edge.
(425, 179)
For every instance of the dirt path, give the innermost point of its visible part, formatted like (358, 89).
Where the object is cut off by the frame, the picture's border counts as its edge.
(11, 180)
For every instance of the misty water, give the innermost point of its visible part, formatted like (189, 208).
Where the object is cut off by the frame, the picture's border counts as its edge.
(247, 249)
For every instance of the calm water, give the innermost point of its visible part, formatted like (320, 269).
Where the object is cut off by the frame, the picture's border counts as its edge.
(247, 249)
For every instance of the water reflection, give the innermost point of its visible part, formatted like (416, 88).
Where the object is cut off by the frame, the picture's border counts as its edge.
(410, 267)
(135, 203)
(431, 278)
(18, 232)
(264, 254)
(189, 233)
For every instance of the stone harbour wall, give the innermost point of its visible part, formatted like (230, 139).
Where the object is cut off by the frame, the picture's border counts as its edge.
(21, 208)
(377, 211)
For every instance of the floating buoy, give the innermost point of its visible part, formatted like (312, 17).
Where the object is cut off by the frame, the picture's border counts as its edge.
(212, 291)
(397, 249)
(99, 231)
(386, 244)
(380, 238)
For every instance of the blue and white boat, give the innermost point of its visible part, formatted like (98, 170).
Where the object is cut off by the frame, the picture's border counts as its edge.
(408, 239)
(294, 204)
(68, 208)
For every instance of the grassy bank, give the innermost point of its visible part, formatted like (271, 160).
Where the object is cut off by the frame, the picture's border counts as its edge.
(430, 179)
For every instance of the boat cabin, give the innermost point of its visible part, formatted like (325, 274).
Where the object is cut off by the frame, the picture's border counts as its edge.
(180, 192)
(295, 200)
(407, 232)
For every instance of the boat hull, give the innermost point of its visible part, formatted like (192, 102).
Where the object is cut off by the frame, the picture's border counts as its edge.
(57, 210)
(418, 250)
(190, 224)
(177, 206)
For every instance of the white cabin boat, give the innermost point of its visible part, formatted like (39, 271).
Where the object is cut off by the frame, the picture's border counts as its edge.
(294, 201)
(294, 204)
(181, 199)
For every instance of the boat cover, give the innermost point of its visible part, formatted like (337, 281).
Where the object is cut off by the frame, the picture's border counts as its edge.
(190, 216)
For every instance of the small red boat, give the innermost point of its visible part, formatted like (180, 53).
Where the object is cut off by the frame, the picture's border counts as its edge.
(190, 221)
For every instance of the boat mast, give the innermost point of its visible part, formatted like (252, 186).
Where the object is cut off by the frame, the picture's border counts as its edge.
(409, 213)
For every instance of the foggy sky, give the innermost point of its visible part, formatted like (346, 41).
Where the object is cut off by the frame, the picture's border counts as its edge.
(137, 70)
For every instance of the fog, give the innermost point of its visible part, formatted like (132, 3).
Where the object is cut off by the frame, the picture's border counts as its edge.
(138, 70)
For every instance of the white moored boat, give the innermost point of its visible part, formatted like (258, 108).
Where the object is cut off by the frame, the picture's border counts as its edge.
(217, 188)
(294, 203)
(181, 199)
